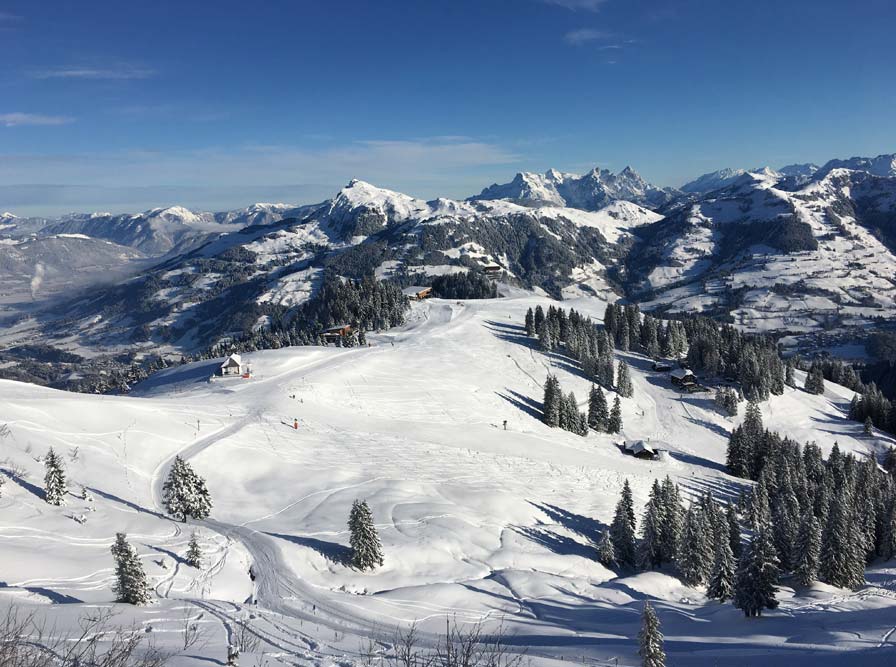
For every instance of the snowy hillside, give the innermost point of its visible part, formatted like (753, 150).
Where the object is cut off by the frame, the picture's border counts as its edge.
(478, 523)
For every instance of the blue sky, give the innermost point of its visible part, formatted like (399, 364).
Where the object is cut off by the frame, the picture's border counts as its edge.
(127, 105)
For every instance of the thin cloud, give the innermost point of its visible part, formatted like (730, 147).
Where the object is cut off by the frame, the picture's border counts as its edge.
(123, 73)
(584, 36)
(578, 5)
(19, 118)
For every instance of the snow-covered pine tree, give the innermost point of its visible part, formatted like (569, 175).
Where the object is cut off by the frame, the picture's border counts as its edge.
(130, 581)
(650, 639)
(530, 322)
(721, 578)
(194, 552)
(651, 553)
(674, 518)
(888, 540)
(551, 404)
(54, 479)
(788, 374)
(367, 551)
(614, 422)
(622, 530)
(606, 556)
(807, 549)
(624, 380)
(814, 379)
(757, 575)
(733, 530)
(695, 550)
(842, 561)
(184, 492)
(598, 413)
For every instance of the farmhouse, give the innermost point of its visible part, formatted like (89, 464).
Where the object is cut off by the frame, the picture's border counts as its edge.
(663, 366)
(492, 270)
(417, 292)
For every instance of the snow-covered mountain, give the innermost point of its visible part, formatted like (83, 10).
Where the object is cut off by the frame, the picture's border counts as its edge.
(713, 180)
(590, 192)
(882, 165)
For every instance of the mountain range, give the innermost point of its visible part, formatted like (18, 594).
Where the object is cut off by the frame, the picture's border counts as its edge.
(806, 252)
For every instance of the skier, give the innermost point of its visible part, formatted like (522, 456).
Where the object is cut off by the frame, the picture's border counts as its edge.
(505, 424)
(295, 424)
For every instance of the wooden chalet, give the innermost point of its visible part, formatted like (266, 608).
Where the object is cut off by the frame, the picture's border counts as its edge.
(233, 365)
(640, 449)
(417, 292)
(682, 377)
(336, 333)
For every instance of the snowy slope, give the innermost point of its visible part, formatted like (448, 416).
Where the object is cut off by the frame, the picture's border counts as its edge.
(478, 523)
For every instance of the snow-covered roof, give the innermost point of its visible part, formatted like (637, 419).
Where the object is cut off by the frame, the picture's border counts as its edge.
(232, 360)
(414, 290)
(681, 373)
(638, 447)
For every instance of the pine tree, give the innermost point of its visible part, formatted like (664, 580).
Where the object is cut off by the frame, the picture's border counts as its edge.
(623, 381)
(808, 549)
(757, 576)
(788, 374)
(888, 539)
(673, 515)
(598, 414)
(650, 639)
(551, 404)
(194, 553)
(184, 492)
(842, 564)
(869, 426)
(130, 580)
(695, 555)
(54, 480)
(367, 551)
(721, 579)
(622, 530)
(530, 322)
(733, 530)
(815, 380)
(614, 423)
(651, 546)
(606, 556)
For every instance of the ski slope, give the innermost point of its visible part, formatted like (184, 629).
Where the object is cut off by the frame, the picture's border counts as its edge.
(478, 523)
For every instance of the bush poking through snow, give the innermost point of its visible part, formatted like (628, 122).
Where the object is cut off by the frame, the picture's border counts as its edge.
(194, 553)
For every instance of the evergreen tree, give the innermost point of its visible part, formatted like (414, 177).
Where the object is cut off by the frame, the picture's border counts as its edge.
(54, 480)
(650, 639)
(721, 579)
(869, 426)
(184, 492)
(606, 556)
(367, 551)
(530, 322)
(623, 381)
(194, 553)
(551, 404)
(814, 380)
(842, 564)
(888, 539)
(130, 580)
(598, 414)
(538, 318)
(622, 530)
(757, 576)
(788, 374)
(808, 549)
(695, 555)
(733, 530)
(673, 515)
(651, 547)
(614, 423)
